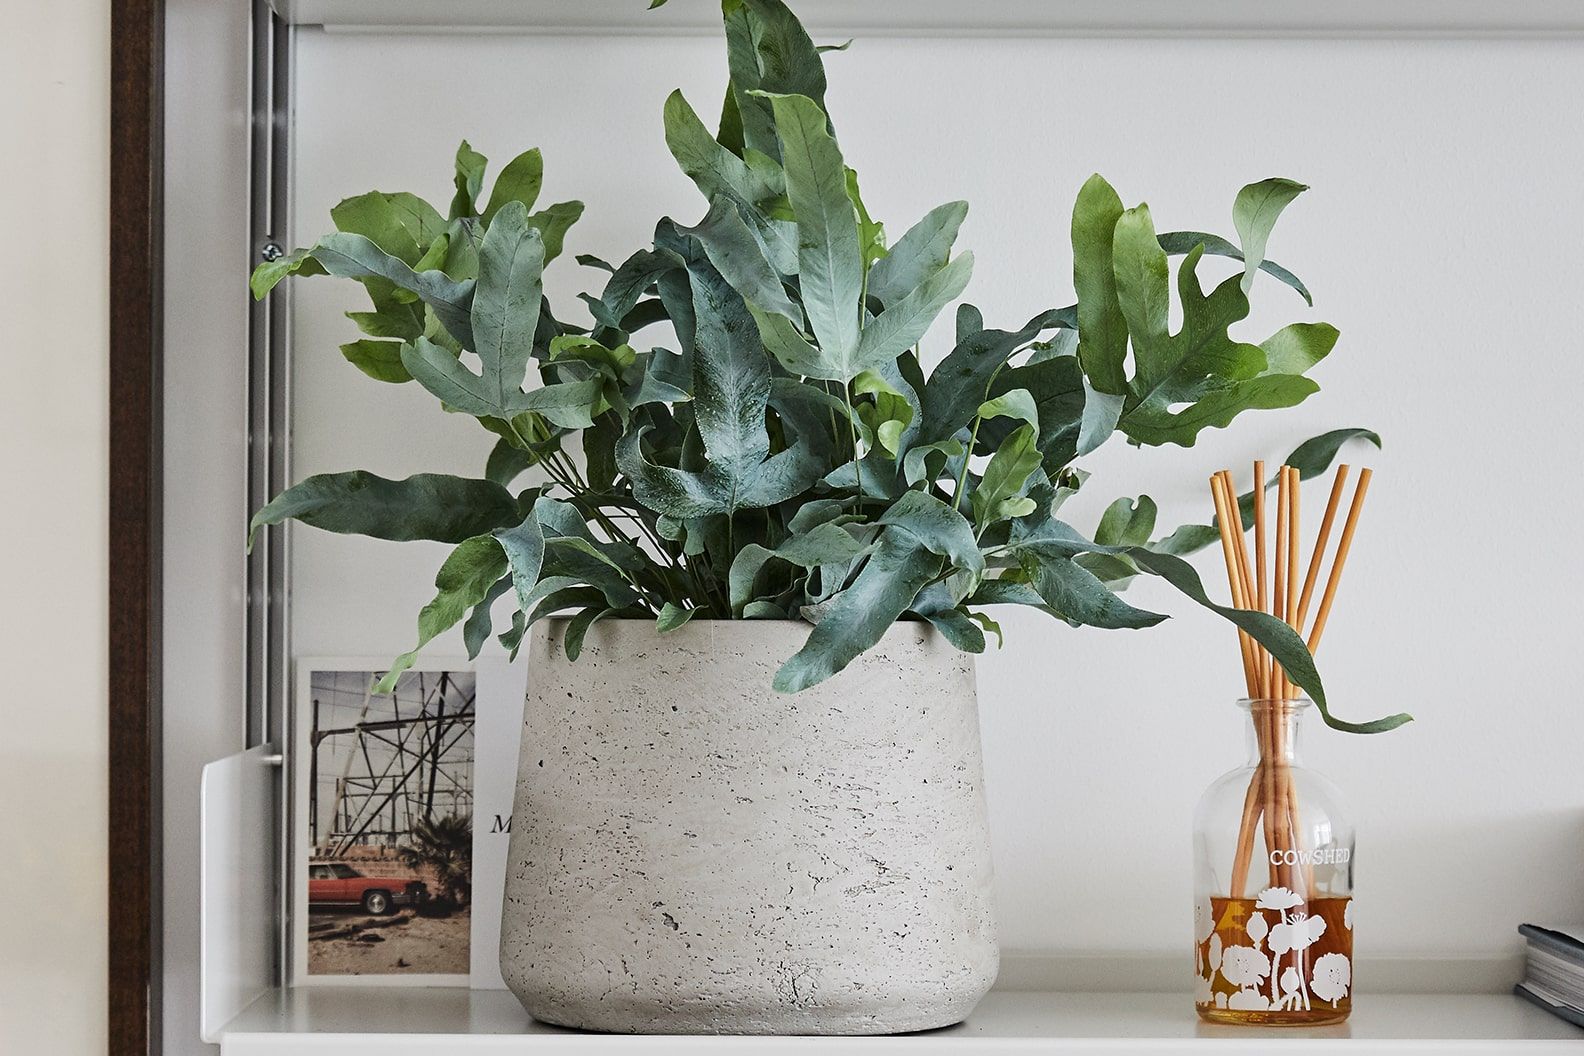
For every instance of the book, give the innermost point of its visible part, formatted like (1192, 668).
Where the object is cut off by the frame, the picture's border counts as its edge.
(501, 687)
(1554, 970)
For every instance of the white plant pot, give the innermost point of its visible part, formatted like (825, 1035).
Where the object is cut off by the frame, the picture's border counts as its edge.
(692, 852)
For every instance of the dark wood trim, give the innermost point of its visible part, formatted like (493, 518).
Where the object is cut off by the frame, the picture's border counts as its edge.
(136, 224)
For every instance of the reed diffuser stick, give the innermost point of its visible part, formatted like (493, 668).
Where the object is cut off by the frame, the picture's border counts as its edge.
(1234, 577)
(1291, 615)
(1279, 580)
(1260, 594)
(1341, 559)
(1240, 544)
(1337, 487)
(1268, 688)
(1290, 806)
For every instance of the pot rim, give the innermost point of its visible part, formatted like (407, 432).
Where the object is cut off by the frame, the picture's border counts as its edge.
(928, 636)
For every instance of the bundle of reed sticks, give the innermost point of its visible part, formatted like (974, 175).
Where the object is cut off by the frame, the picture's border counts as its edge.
(1275, 587)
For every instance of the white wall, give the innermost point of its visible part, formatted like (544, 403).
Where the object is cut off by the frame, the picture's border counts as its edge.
(54, 172)
(1441, 237)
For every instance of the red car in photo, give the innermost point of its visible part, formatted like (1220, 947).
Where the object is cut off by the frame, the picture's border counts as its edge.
(339, 884)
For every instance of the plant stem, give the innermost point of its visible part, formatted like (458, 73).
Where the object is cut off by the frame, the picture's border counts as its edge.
(962, 474)
(852, 425)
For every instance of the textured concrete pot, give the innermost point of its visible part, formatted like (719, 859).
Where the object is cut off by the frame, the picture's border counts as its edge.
(692, 852)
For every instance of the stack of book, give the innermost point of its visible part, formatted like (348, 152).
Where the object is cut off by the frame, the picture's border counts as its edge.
(1554, 969)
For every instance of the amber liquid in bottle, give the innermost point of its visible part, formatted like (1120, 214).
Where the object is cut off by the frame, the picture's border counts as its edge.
(1289, 966)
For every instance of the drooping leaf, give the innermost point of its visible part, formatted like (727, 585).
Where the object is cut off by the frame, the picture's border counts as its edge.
(1315, 455)
(426, 506)
(958, 629)
(356, 257)
(556, 594)
(858, 616)
(984, 620)
(673, 616)
(1281, 640)
(824, 544)
(523, 545)
(576, 558)
(578, 626)
(938, 528)
(1015, 403)
(1254, 213)
(928, 461)
(1178, 243)
(462, 582)
(1078, 595)
(476, 629)
(380, 360)
(764, 610)
(1052, 539)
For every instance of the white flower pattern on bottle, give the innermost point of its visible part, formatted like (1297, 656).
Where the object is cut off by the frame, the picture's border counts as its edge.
(1244, 967)
(1332, 977)
(1277, 954)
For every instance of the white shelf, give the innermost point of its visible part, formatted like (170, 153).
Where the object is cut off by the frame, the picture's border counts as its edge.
(1219, 18)
(398, 1021)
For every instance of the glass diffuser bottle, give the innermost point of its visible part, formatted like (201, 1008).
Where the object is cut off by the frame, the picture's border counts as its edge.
(1273, 884)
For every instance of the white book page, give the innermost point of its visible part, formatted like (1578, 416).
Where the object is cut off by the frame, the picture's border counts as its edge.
(497, 735)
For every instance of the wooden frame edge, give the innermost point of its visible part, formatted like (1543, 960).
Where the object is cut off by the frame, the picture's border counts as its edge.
(135, 265)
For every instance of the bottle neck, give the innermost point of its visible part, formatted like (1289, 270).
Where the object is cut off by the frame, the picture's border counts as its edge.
(1273, 730)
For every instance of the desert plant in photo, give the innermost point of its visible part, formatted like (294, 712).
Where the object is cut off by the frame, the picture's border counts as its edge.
(444, 847)
(743, 427)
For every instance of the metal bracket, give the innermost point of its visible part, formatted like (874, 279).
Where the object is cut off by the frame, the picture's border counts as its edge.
(268, 423)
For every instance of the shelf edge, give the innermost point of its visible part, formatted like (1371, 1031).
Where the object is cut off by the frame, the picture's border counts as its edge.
(1005, 18)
